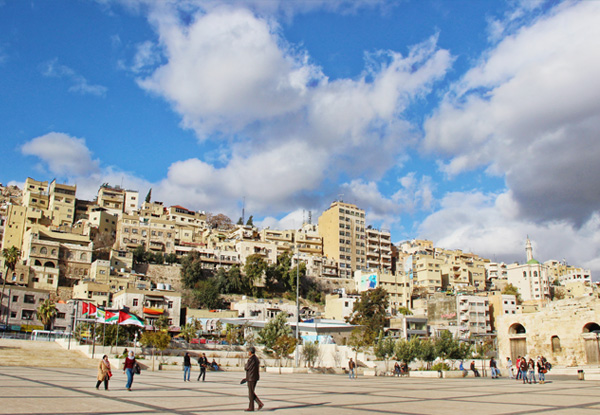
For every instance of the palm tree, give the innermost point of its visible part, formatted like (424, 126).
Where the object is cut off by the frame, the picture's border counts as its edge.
(46, 313)
(11, 257)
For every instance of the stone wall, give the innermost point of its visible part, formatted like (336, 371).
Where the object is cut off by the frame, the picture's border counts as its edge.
(166, 274)
(566, 319)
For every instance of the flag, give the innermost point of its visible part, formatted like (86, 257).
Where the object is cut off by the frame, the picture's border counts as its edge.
(126, 319)
(105, 317)
(88, 309)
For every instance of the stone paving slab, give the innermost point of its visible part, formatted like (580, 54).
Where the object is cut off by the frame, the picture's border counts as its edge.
(34, 390)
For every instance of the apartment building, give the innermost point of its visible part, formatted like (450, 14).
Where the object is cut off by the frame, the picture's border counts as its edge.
(155, 234)
(117, 200)
(61, 204)
(150, 304)
(19, 307)
(473, 316)
(379, 249)
(282, 239)
(94, 292)
(565, 274)
(342, 227)
(397, 285)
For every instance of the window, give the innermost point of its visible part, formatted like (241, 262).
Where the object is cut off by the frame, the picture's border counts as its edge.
(15, 298)
(43, 251)
(29, 299)
(60, 315)
(27, 314)
(135, 302)
(170, 304)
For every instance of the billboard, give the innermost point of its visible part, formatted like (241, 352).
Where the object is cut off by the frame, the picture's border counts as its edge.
(368, 281)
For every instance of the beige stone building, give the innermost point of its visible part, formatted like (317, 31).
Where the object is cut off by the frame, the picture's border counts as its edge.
(61, 204)
(531, 278)
(342, 228)
(339, 305)
(566, 332)
(117, 200)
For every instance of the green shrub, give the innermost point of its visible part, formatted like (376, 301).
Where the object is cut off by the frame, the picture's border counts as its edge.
(440, 366)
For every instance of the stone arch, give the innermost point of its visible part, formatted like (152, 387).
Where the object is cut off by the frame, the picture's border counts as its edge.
(49, 264)
(517, 328)
(591, 327)
(591, 342)
(44, 250)
(37, 263)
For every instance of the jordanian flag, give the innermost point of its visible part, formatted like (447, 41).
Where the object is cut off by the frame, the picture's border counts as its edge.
(127, 319)
(106, 317)
(88, 309)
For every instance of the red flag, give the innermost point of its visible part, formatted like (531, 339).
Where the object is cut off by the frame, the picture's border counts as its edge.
(84, 308)
(92, 310)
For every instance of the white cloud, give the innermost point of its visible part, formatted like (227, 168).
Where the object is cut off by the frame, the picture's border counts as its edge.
(79, 83)
(64, 155)
(232, 77)
(529, 112)
(489, 225)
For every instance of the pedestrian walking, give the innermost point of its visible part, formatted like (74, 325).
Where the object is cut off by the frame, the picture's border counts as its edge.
(509, 368)
(531, 370)
(129, 369)
(202, 362)
(494, 368)
(104, 372)
(351, 369)
(252, 376)
(518, 366)
(523, 369)
(542, 369)
(187, 367)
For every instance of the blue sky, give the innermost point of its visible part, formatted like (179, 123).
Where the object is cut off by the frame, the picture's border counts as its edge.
(470, 123)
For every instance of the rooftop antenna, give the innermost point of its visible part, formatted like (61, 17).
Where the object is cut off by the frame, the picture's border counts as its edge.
(310, 217)
(243, 209)
(340, 196)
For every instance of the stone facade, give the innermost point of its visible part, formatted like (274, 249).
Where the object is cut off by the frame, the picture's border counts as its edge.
(566, 332)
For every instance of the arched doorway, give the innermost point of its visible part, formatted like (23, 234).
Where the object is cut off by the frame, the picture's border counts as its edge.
(518, 341)
(591, 342)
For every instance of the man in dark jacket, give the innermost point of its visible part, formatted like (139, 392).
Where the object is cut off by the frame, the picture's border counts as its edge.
(252, 376)
(202, 362)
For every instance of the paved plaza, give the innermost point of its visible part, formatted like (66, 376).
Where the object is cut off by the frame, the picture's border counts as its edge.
(26, 390)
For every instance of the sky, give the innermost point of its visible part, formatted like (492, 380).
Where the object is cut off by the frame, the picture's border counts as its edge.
(471, 123)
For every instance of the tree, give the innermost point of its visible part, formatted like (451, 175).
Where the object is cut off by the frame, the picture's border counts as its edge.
(149, 196)
(229, 281)
(275, 328)
(46, 313)
(405, 311)
(284, 346)
(427, 352)
(171, 258)
(162, 322)
(510, 289)
(253, 271)
(407, 350)
(139, 254)
(206, 294)
(310, 353)
(370, 311)
(218, 221)
(11, 257)
(189, 332)
(357, 341)
(240, 221)
(384, 349)
(156, 340)
(249, 221)
(192, 270)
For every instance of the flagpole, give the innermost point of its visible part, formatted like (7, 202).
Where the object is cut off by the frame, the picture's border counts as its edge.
(94, 339)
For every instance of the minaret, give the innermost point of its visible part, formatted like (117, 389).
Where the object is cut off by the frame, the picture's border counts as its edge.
(529, 250)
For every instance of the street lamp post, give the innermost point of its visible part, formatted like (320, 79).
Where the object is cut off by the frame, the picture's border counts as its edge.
(297, 303)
